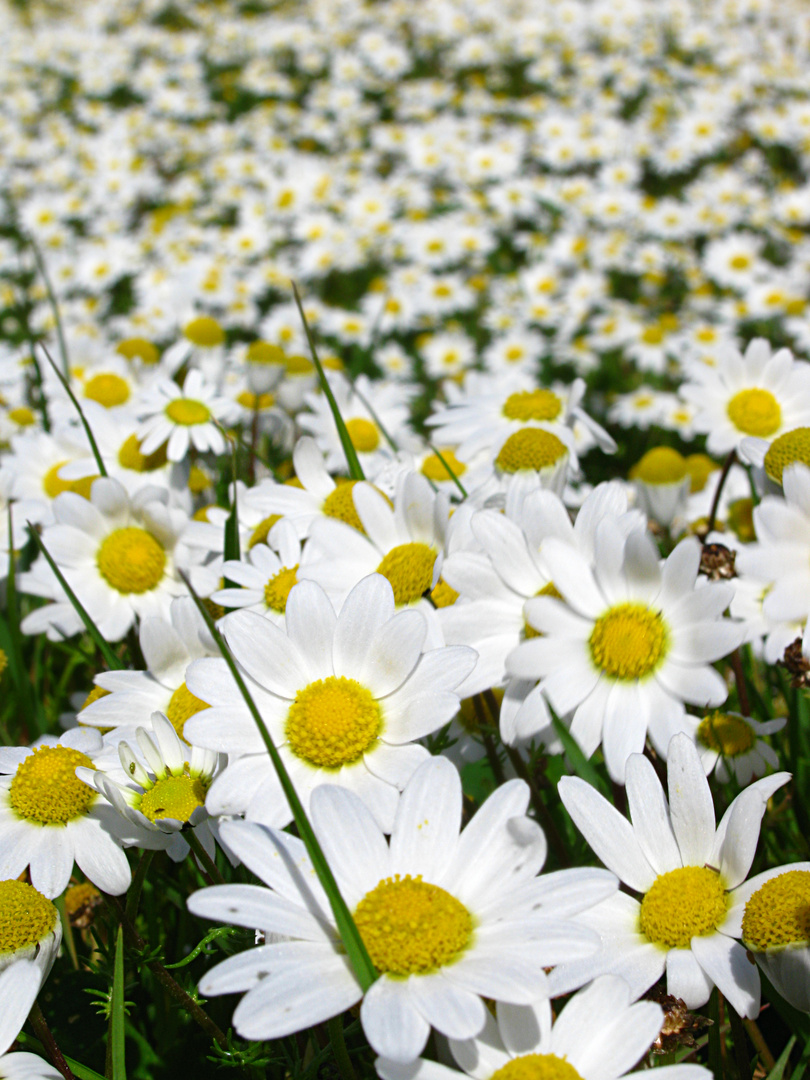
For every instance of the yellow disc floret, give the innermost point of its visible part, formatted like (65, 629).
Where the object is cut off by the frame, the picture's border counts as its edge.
(204, 331)
(436, 469)
(729, 735)
(45, 789)
(537, 1067)
(187, 412)
(700, 467)
(755, 412)
(136, 348)
(131, 560)
(22, 416)
(530, 448)
(791, 447)
(182, 705)
(333, 722)
(778, 913)
(107, 389)
(278, 588)
(412, 928)
(364, 434)
(340, 504)
(443, 595)
(528, 405)
(629, 641)
(409, 568)
(130, 456)
(95, 694)
(260, 533)
(26, 916)
(264, 352)
(682, 904)
(53, 484)
(661, 465)
(175, 797)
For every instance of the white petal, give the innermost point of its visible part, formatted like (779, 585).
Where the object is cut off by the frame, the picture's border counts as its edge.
(428, 820)
(266, 653)
(686, 979)
(726, 963)
(453, 1011)
(356, 850)
(391, 1024)
(101, 860)
(253, 906)
(19, 986)
(691, 809)
(525, 1029)
(650, 815)
(310, 621)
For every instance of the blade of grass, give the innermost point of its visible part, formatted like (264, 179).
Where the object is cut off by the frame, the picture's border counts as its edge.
(46, 281)
(111, 660)
(779, 1068)
(450, 472)
(31, 703)
(355, 468)
(579, 763)
(356, 950)
(119, 1067)
(66, 387)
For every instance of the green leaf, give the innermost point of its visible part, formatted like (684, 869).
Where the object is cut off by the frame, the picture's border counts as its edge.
(82, 1072)
(355, 468)
(119, 1068)
(91, 438)
(452, 475)
(356, 950)
(103, 647)
(579, 763)
(779, 1068)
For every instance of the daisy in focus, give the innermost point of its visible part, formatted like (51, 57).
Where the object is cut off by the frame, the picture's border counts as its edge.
(629, 643)
(688, 872)
(447, 916)
(182, 418)
(345, 697)
(600, 1034)
(30, 930)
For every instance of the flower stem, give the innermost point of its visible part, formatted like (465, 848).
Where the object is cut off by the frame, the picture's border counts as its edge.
(732, 457)
(45, 1036)
(203, 857)
(344, 1064)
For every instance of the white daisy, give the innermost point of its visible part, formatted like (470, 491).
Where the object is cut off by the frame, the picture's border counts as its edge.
(447, 917)
(633, 641)
(688, 873)
(263, 581)
(49, 818)
(731, 744)
(30, 930)
(182, 417)
(344, 698)
(600, 1034)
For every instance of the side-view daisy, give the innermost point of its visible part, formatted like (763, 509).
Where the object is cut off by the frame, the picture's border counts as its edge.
(599, 1035)
(688, 873)
(448, 917)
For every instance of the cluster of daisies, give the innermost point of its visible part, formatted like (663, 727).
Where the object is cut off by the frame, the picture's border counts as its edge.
(536, 522)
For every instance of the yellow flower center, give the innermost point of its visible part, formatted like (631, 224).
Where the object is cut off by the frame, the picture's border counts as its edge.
(263, 352)
(80, 901)
(278, 588)
(629, 641)
(364, 434)
(740, 519)
(130, 456)
(785, 450)
(652, 335)
(409, 568)
(700, 467)
(532, 405)
(45, 789)
(53, 484)
(107, 389)
(187, 412)
(411, 927)
(530, 448)
(131, 560)
(755, 412)
(739, 262)
(661, 465)
(340, 504)
(137, 348)
(182, 705)
(682, 904)
(549, 589)
(95, 694)
(729, 735)
(434, 469)
(443, 595)
(537, 1067)
(174, 797)
(299, 365)
(778, 914)
(256, 402)
(262, 530)
(22, 416)
(333, 722)
(204, 331)
(26, 916)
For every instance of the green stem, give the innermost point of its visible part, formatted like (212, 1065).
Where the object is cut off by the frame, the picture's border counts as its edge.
(138, 878)
(45, 1036)
(203, 857)
(67, 931)
(46, 281)
(732, 457)
(344, 1064)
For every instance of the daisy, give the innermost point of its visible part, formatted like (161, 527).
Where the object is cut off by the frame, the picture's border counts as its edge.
(49, 818)
(774, 456)
(182, 417)
(770, 915)
(30, 930)
(756, 394)
(19, 985)
(599, 1035)
(118, 555)
(448, 917)
(632, 641)
(688, 873)
(731, 745)
(166, 797)
(263, 582)
(344, 697)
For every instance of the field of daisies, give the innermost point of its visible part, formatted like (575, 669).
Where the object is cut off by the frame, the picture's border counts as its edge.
(405, 539)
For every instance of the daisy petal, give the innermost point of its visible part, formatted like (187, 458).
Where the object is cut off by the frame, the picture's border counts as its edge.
(391, 1024)
(690, 802)
(428, 820)
(726, 963)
